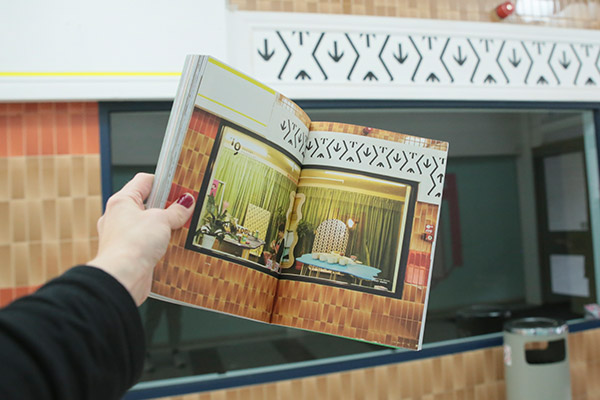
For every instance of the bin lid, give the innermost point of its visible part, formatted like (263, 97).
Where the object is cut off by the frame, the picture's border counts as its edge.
(536, 326)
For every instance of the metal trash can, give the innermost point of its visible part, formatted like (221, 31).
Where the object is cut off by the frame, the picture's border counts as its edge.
(536, 359)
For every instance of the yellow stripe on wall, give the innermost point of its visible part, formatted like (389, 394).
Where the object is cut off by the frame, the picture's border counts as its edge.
(232, 109)
(60, 74)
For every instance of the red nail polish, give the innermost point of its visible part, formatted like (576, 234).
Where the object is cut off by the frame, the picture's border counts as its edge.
(186, 200)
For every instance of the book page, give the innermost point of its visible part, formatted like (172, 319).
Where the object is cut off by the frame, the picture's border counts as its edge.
(363, 234)
(240, 158)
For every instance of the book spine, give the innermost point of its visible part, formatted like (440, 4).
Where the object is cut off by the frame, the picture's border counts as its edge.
(176, 130)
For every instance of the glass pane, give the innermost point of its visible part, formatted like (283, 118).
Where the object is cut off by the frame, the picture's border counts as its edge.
(490, 261)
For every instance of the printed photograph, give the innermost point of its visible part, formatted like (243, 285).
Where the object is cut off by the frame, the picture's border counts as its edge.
(348, 229)
(244, 205)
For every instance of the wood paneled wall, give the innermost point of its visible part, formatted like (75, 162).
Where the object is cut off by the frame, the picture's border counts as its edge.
(566, 13)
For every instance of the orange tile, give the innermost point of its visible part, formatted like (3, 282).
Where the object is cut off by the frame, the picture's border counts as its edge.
(15, 136)
(21, 291)
(47, 134)
(92, 134)
(61, 107)
(77, 134)
(3, 136)
(46, 107)
(63, 145)
(7, 295)
(75, 107)
(15, 108)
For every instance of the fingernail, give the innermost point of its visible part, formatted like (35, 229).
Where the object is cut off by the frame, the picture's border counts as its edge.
(186, 200)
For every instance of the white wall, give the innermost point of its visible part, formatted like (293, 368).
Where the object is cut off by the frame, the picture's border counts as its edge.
(113, 49)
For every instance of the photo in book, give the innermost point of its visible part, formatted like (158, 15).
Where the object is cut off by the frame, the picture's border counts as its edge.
(323, 226)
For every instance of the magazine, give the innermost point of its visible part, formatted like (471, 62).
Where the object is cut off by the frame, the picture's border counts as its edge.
(323, 226)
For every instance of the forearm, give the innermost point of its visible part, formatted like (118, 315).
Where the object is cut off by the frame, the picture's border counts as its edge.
(78, 337)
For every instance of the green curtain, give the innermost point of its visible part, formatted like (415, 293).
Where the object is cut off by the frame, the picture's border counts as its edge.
(250, 181)
(374, 240)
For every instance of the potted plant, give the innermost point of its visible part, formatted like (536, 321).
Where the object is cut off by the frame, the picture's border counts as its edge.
(306, 233)
(216, 224)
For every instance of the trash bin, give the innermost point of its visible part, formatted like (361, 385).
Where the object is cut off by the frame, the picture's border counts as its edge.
(480, 319)
(536, 359)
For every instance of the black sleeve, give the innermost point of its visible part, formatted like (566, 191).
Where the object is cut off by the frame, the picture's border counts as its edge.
(80, 336)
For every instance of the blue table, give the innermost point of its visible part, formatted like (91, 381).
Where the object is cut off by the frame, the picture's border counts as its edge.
(357, 270)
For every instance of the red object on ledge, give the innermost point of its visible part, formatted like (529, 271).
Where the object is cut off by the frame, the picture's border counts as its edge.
(505, 9)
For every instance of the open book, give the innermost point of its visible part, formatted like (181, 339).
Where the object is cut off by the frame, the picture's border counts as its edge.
(321, 226)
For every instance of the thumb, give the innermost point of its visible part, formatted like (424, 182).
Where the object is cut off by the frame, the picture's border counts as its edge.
(179, 212)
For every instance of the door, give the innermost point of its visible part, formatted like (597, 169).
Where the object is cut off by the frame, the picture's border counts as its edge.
(565, 240)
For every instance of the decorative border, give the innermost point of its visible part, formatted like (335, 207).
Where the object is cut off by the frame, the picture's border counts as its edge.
(300, 54)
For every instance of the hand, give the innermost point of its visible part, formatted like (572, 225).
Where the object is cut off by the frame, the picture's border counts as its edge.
(132, 239)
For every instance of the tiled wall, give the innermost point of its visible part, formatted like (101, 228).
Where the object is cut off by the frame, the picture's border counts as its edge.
(50, 195)
(473, 375)
(567, 13)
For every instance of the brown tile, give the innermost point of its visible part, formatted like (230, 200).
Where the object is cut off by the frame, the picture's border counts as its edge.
(63, 144)
(18, 220)
(36, 262)
(78, 178)
(92, 175)
(4, 179)
(51, 259)
(32, 181)
(81, 252)
(7, 273)
(65, 218)
(66, 255)
(5, 236)
(49, 220)
(93, 213)
(21, 263)
(49, 187)
(80, 229)
(16, 170)
(34, 220)
(63, 175)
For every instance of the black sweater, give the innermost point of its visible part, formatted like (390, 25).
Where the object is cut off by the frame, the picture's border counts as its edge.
(79, 336)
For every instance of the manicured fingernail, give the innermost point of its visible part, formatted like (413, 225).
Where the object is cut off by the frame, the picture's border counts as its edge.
(186, 200)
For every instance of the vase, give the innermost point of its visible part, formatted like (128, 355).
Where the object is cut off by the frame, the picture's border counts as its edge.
(208, 241)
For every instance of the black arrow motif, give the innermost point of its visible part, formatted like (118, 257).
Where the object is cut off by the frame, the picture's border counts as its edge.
(427, 164)
(335, 56)
(370, 76)
(399, 56)
(303, 75)
(514, 60)
(410, 171)
(320, 155)
(487, 44)
(587, 49)
(266, 55)
(489, 79)
(440, 177)
(337, 147)
(433, 78)
(309, 146)
(564, 62)
(590, 81)
(438, 194)
(380, 164)
(539, 46)
(397, 157)
(367, 152)
(542, 81)
(282, 125)
(460, 60)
